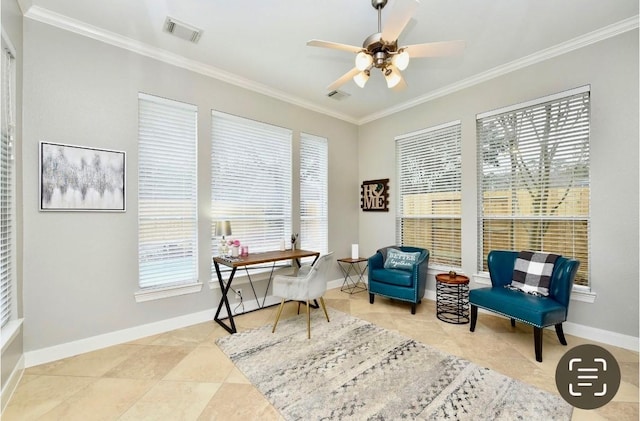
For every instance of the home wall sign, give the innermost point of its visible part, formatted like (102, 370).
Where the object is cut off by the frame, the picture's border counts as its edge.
(374, 195)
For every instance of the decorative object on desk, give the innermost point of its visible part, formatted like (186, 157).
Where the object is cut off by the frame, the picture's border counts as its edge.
(355, 254)
(378, 374)
(282, 245)
(244, 251)
(294, 239)
(235, 248)
(78, 178)
(452, 274)
(223, 228)
(374, 195)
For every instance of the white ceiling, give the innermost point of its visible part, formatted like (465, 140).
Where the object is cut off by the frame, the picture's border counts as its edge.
(261, 45)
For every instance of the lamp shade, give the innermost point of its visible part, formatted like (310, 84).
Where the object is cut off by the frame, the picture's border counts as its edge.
(361, 78)
(363, 60)
(401, 60)
(223, 228)
(392, 76)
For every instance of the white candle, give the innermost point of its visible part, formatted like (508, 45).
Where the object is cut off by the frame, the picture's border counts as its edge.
(282, 245)
(354, 251)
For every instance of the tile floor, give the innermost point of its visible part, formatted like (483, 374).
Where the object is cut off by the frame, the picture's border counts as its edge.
(182, 375)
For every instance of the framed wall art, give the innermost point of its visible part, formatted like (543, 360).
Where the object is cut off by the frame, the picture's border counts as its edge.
(78, 178)
(374, 195)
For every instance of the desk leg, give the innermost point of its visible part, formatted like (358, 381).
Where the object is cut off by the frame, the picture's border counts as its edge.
(225, 300)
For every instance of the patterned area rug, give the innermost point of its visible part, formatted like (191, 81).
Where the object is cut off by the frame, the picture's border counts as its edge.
(354, 370)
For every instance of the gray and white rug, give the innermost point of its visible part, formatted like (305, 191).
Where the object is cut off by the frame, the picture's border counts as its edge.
(354, 370)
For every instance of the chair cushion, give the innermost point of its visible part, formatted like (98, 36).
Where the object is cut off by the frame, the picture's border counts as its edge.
(532, 272)
(397, 277)
(397, 259)
(535, 310)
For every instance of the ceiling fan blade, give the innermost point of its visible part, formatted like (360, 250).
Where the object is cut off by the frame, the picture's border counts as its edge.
(343, 79)
(436, 49)
(401, 14)
(334, 45)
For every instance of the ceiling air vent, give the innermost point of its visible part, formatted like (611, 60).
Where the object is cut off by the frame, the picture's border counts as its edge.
(182, 30)
(338, 95)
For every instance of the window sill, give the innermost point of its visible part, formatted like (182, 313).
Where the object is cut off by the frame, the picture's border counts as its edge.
(579, 293)
(9, 333)
(160, 293)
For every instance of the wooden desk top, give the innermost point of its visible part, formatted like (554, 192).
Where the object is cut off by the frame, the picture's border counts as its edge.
(265, 257)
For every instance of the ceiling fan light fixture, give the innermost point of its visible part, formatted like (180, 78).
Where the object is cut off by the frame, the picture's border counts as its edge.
(363, 61)
(392, 77)
(401, 60)
(361, 78)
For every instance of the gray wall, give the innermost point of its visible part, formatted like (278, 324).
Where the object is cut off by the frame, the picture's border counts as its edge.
(611, 68)
(80, 269)
(12, 25)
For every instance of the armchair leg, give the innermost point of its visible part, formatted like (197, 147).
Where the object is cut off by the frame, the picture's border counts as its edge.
(474, 317)
(324, 308)
(371, 296)
(308, 321)
(560, 334)
(413, 308)
(537, 342)
(278, 316)
(513, 322)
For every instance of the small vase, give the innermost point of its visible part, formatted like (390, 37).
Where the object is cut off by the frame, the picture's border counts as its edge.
(235, 251)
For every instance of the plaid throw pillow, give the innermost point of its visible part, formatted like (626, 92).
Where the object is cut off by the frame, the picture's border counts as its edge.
(532, 272)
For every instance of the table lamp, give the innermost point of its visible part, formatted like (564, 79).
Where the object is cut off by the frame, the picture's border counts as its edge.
(223, 228)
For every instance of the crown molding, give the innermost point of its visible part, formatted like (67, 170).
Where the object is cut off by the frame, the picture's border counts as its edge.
(57, 20)
(25, 5)
(46, 16)
(546, 54)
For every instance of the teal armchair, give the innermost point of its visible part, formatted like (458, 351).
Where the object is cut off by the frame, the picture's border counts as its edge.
(405, 285)
(537, 311)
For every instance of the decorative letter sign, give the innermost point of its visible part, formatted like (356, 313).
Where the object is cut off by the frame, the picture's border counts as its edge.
(375, 195)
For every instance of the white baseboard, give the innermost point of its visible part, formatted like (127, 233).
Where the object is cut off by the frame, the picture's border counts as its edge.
(12, 383)
(587, 332)
(70, 349)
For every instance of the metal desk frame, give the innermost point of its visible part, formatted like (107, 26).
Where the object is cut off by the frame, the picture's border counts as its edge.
(251, 259)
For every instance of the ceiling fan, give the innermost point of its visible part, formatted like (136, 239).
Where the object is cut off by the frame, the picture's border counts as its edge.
(380, 50)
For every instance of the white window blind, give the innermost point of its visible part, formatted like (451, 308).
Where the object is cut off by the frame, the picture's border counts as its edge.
(533, 173)
(7, 191)
(251, 181)
(167, 193)
(429, 192)
(314, 219)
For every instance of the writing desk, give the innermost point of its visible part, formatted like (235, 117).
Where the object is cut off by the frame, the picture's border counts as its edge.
(251, 259)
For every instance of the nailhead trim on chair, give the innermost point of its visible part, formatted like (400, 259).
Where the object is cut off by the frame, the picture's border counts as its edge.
(509, 317)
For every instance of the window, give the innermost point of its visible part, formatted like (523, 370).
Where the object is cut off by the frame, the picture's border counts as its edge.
(7, 187)
(314, 218)
(429, 192)
(167, 193)
(251, 181)
(533, 173)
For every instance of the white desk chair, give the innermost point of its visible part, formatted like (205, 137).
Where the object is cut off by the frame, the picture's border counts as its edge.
(309, 284)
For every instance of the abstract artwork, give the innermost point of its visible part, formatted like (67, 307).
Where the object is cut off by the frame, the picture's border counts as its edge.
(77, 178)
